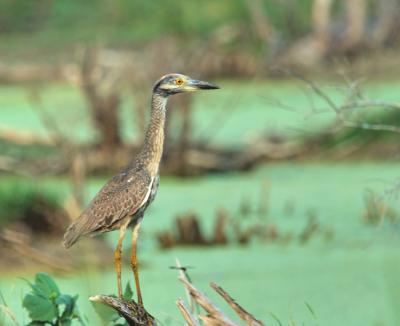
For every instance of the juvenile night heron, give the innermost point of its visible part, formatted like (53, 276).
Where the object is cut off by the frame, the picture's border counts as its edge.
(121, 203)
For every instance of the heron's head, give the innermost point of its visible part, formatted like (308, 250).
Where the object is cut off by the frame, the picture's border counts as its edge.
(176, 83)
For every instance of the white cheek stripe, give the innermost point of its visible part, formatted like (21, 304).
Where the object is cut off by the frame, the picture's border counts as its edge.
(167, 86)
(148, 193)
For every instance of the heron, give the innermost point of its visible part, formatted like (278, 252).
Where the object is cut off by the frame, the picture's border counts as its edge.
(123, 200)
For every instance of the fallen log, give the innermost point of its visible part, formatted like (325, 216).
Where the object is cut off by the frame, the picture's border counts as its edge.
(30, 72)
(133, 313)
(196, 161)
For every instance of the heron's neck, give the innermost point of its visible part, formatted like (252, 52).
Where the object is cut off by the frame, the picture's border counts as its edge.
(154, 139)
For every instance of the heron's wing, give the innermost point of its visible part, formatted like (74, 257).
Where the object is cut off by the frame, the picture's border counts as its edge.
(122, 196)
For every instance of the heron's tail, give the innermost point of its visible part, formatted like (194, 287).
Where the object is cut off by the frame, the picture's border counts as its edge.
(73, 232)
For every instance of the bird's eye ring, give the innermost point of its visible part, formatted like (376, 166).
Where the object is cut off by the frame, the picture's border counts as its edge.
(179, 81)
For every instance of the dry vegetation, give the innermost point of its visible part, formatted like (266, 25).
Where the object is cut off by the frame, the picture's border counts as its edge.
(200, 310)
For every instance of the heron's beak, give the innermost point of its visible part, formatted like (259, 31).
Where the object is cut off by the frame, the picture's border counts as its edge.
(194, 85)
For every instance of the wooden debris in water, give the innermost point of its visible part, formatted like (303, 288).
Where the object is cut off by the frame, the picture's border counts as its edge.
(310, 229)
(220, 236)
(241, 229)
(166, 240)
(189, 231)
(376, 210)
(263, 201)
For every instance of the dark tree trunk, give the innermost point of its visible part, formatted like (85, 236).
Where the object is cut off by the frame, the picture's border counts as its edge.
(356, 14)
(387, 19)
(103, 105)
(321, 20)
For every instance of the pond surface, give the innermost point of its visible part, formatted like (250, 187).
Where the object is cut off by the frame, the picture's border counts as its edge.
(340, 278)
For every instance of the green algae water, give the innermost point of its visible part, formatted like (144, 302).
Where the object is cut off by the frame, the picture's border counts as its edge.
(321, 282)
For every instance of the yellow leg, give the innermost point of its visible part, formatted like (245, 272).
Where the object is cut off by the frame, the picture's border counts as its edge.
(134, 263)
(117, 257)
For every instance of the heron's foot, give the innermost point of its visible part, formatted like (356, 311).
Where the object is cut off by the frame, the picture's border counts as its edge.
(119, 287)
(137, 283)
(140, 301)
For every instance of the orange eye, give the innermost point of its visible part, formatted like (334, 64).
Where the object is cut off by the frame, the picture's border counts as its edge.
(179, 81)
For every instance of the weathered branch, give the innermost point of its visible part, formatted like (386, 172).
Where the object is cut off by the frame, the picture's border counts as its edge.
(215, 316)
(242, 313)
(133, 313)
(189, 318)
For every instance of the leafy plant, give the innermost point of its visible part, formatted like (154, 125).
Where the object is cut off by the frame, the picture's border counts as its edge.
(46, 305)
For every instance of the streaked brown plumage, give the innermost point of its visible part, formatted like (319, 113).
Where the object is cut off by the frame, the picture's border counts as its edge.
(124, 199)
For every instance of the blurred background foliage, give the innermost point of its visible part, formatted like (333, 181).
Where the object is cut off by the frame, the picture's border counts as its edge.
(141, 21)
(54, 25)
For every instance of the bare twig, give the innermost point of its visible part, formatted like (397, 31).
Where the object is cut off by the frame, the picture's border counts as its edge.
(48, 120)
(215, 316)
(183, 273)
(187, 315)
(220, 119)
(354, 100)
(314, 87)
(242, 313)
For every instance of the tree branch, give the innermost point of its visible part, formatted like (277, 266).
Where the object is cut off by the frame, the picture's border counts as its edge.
(133, 313)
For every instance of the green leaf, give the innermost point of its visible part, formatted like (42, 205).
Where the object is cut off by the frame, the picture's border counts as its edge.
(69, 303)
(70, 311)
(46, 305)
(39, 308)
(105, 313)
(35, 289)
(128, 293)
(44, 284)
